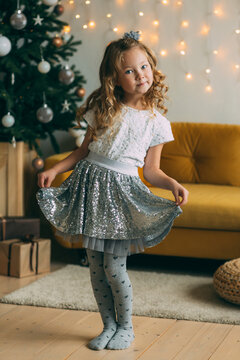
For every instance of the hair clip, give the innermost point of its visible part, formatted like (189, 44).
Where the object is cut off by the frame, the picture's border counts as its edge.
(132, 35)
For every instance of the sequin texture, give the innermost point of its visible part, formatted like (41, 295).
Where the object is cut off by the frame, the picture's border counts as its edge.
(115, 212)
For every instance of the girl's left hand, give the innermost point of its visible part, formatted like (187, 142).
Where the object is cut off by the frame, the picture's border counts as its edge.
(179, 191)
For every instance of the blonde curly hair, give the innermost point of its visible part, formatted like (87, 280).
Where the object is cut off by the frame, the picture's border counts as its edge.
(107, 99)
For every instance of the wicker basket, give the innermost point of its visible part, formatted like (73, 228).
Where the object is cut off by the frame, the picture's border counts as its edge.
(226, 281)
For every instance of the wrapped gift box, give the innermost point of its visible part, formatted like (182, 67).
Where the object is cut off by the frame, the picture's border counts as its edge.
(18, 226)
(24, 258)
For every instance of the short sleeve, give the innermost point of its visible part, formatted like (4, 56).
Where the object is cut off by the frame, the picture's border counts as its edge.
(90, 117)
(162, 131)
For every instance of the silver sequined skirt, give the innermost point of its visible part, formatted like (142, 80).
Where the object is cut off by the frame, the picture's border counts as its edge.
(106, 202)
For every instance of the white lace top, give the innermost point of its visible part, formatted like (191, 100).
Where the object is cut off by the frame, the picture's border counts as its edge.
(131, 135)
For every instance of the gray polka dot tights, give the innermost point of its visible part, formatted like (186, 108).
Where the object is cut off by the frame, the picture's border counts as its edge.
(113, 293)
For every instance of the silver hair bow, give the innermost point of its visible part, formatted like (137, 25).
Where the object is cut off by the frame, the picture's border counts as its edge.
(132, 35)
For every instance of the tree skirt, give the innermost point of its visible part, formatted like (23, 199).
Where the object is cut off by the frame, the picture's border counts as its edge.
(155, 294)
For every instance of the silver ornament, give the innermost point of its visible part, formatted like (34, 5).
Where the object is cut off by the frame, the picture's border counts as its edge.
(66, 76)
(8, 120)
(5, 45)
(44, 67)
(18, 20)
(44, 114)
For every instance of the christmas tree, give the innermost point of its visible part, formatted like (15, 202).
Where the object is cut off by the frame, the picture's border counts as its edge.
(39, 91)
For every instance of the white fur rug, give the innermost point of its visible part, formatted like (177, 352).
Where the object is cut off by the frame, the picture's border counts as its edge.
(155, 294)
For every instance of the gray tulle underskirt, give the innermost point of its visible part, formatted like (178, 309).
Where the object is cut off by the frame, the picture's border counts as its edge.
(115, 212)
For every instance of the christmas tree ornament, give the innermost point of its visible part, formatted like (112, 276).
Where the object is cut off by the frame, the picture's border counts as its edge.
(44, 67)
(66, 36)
(49, 2)
(12, 78)
(38, 20)
(18, 20)
(13, 142)
(57, 41)
(66, 76)
(59, 10)
(65, 105)
(8, 120)
(5, 45)
(38, 163)
(44, 114)
(80, 92)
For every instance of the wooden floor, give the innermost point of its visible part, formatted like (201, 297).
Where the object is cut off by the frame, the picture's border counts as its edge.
(34, 333)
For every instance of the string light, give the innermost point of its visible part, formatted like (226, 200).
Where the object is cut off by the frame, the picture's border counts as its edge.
(92, 24)
(208, 88)
(188, 76)
(185, 23)
(182, 45)
(205, 30)
(156, 22)
(218, 11)
(163, 52)
(153, 36)
(67, 29)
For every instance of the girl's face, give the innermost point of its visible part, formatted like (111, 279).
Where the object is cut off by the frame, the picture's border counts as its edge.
(135, 75)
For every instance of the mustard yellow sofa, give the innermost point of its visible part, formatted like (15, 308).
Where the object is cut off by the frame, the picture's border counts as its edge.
(205, 158)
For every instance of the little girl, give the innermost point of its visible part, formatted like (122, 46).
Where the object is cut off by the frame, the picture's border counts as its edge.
(104, 199)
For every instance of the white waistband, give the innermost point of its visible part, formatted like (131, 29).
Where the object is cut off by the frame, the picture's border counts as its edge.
(112, 164)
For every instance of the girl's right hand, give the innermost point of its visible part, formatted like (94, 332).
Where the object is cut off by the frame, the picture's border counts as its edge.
(46, 178)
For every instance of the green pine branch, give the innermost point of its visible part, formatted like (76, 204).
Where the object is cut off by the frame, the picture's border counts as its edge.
(25, 96)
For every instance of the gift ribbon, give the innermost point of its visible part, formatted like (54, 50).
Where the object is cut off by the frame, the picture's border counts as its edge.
(27, 239)
(33, 241)
(36, 242)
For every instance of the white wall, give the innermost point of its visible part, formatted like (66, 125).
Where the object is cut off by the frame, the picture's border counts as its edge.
(189, 100)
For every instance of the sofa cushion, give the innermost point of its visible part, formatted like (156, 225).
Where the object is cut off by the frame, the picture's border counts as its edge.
(203, 153)
(215, 207)
(54, 159)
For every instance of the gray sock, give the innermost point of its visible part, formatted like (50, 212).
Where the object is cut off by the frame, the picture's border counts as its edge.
(104, 298)
(116, 272)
